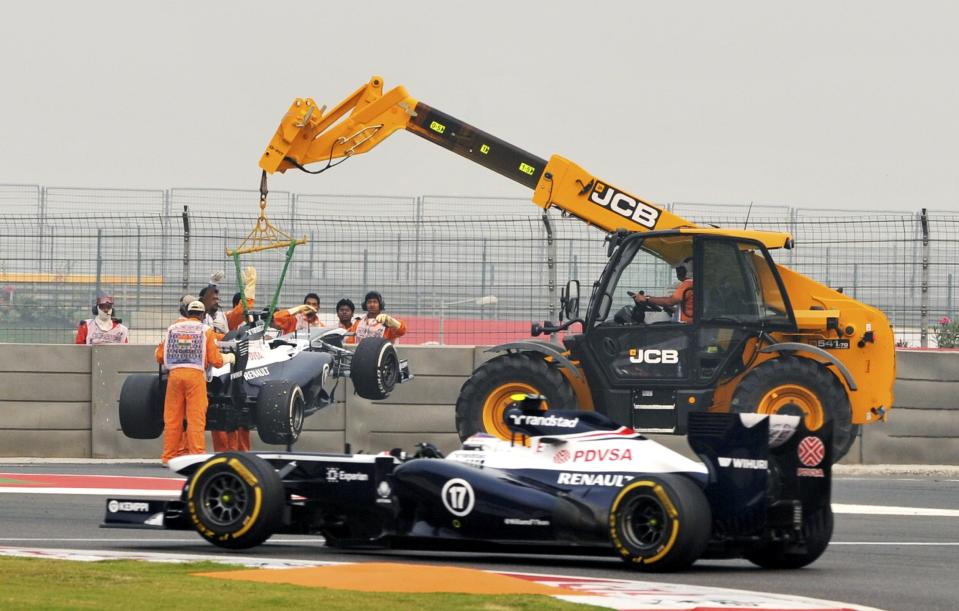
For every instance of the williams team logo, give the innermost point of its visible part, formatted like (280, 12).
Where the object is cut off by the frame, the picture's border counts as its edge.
(624, 205)
(811, 451)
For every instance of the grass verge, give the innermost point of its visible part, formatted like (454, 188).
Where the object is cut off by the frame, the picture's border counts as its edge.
(31, 583)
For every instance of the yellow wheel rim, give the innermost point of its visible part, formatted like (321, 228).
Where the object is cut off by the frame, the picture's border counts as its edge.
(789, 398)
(495, 406)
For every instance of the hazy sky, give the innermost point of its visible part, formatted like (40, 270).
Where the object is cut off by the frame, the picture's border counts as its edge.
(814, 104)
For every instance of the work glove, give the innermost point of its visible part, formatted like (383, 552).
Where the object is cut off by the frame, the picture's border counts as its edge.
(388, 320)
(230, 358)
(249, 282)
(217, 277)
(301, 309)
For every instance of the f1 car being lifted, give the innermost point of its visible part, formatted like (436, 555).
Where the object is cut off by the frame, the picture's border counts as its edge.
(567, 480)
(275, 384)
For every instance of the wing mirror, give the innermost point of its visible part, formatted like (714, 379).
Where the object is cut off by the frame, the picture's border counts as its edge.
(569, 299)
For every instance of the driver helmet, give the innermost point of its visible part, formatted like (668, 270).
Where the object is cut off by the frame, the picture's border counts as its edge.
(684, 269)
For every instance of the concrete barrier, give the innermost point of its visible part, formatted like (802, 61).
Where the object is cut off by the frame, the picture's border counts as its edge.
(61, 401)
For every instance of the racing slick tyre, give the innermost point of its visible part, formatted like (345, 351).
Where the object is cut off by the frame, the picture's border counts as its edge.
(799, 387)
(484, 397)
(279, 412)
(235, 500)
(375, 369)
(817, 532)
(141, 406)
(660, 523)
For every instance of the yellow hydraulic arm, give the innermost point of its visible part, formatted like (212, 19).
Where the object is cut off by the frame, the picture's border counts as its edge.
(309, 134)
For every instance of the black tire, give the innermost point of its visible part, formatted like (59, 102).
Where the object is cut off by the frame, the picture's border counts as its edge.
(660, 523)
(280, 412)
(141, 406)
(812, 383)
(235, 500)
(485, 395)
(375, 369)
(817, 532)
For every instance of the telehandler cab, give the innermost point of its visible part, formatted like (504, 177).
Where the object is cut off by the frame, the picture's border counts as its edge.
(755, 337)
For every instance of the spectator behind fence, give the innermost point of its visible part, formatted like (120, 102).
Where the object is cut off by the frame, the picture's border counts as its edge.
(344, 312)
(377, 323)
(222, 322)
(103, 328)
(300, 318)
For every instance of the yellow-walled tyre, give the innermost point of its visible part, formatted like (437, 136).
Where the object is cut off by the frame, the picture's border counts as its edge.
(484, 397)
(660, 523)
(799, 387)
(235, 500)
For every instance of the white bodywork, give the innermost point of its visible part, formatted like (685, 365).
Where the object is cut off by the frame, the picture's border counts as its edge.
(623, 450)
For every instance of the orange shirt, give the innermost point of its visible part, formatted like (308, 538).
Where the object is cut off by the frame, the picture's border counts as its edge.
(288, 323)
(368, 327)
(234, 318)
(684, 295)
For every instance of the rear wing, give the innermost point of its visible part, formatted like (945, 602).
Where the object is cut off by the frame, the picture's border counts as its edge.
(761, 466)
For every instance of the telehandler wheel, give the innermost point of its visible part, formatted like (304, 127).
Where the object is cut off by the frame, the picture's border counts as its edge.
(799, 387)
(486, 394)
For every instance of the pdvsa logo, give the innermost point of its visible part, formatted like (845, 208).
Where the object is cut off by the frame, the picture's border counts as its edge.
(653, 357)
(624, 205)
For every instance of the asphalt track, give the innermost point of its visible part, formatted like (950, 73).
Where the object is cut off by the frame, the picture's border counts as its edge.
(895, 546)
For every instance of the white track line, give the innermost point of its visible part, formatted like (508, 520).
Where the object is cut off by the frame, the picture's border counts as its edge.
(88, 491)
(884, 510)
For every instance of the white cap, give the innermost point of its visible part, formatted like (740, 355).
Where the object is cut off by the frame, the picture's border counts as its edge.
(196, 306)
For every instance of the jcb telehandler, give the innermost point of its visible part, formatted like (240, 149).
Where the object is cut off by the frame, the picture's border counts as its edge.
(755, 336)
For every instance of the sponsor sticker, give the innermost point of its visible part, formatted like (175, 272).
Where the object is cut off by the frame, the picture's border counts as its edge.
(593, 479)
(115, 506)
(811, 451)
(253, 374)
(742, 463)
(557, 421)
(335, 474)
(603, 455)
(806, 472)
(525, 522)
(458, 497)
(561, 456)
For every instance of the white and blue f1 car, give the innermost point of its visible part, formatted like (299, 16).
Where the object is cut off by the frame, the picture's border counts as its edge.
(569, 480)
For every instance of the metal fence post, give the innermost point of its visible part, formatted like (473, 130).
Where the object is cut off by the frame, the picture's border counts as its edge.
(924, 304)
(96, 288)
(483, 290)
(139, 268)
(186, 249)
(43, 215)
(551, 273)
(949, 296)
(417, 224)
(366, 270)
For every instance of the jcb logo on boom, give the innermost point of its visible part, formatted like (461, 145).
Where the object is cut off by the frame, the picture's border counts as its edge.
(654, 357)
(624, 205)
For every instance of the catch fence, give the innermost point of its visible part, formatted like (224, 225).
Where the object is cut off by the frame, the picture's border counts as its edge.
(459, 270)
